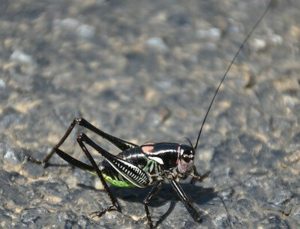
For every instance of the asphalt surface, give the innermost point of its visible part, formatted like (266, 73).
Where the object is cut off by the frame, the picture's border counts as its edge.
(146, 71)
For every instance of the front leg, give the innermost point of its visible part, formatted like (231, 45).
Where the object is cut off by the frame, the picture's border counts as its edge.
(186, 201)
(197, 177)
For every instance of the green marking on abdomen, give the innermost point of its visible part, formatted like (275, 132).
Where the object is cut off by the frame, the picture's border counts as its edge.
(118, 183)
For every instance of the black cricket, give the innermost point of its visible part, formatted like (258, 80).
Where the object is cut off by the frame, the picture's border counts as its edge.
(141, 165)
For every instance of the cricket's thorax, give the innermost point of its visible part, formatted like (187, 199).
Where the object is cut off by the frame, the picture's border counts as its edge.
(165, 154)
(157, 160)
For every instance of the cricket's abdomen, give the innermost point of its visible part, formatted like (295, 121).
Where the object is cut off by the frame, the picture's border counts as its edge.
(138, 158)
(117, 179)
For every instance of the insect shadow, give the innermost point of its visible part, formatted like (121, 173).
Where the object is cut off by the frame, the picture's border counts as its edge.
(200, 196)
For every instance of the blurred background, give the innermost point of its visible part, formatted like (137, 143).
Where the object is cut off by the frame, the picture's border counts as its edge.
(146, 71)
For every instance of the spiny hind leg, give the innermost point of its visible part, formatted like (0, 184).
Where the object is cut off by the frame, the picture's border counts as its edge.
(81, 139)
(120, 143)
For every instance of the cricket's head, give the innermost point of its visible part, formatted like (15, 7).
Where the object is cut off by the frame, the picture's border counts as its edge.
(185, 161)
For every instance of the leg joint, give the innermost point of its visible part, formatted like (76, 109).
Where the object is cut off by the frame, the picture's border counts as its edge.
(81, 136)
(78, 120)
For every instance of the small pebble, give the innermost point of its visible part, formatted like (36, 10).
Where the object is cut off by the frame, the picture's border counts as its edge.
(21, 57)
(157, 43)
(211, 34)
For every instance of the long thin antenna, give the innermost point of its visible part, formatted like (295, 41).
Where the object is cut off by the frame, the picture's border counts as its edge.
(229, 67)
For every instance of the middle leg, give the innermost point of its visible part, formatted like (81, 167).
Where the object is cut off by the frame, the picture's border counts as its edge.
(150, 195)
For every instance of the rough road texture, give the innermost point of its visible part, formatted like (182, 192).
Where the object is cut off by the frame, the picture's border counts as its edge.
(146, 71)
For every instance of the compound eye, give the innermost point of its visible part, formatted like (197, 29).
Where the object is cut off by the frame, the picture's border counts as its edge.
(187, 158)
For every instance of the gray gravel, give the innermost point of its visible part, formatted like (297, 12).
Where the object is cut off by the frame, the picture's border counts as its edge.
(146, 71)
